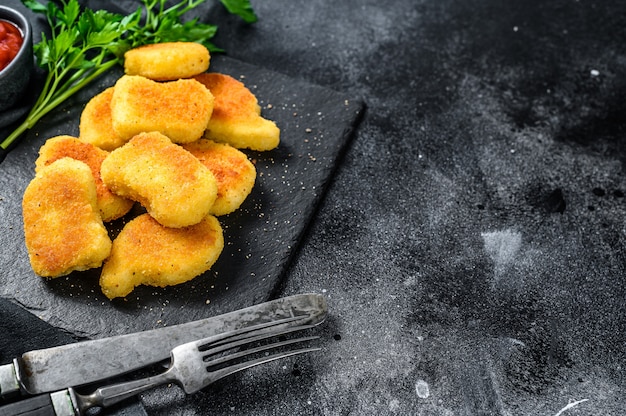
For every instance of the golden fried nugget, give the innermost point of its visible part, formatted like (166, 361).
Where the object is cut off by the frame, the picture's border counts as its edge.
(147, 253)
(167, 61)
(111, 206)
(179, 109)
(236, 117)
(234, 172)
(173, 186)
(96, 125)
(62, 225)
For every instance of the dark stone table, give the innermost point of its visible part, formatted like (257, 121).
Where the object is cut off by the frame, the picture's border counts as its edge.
(472, 243)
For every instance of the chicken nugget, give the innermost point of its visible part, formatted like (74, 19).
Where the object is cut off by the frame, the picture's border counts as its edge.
(236, 117)
(111, 206)
(234, 172)
(62, 226)
(147, 253)
(179, 109)
(96, 125)
(167, 61)
(173, 186)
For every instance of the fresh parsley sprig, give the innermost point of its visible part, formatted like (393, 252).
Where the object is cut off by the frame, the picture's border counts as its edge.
(84, 44)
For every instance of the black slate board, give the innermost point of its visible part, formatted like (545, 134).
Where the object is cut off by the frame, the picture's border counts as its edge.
(316, 124)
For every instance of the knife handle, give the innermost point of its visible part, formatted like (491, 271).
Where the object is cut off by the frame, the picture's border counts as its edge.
(55, 404)
(9, 384)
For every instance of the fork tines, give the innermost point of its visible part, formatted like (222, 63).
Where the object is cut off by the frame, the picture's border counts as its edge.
(221, 362)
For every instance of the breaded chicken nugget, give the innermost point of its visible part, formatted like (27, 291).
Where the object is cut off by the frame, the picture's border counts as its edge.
(173, 186)
(236, 117)
(147, 253)
(179, 109)
(111, 206)
(96, 125)
(167, 61)
(234, 172)
(62, 225)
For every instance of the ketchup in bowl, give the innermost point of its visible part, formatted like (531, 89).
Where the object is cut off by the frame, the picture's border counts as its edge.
(10, 42)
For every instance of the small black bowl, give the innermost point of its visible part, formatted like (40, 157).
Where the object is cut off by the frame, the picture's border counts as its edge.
(14, 77)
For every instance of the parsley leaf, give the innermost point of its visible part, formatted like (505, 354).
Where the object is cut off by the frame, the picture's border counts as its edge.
(241, 8)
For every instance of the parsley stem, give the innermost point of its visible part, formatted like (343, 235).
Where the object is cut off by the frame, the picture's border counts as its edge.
(50, 99)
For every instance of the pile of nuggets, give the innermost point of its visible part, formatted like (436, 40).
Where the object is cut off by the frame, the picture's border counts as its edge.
(167, 136)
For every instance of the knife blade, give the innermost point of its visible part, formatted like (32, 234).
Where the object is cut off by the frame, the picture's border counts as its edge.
(51, 369)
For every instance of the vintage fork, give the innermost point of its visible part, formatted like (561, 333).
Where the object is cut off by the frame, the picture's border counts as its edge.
(193, 366)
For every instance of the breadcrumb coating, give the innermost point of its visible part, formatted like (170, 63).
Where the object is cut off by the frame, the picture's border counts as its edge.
(111, 206)
(96, 124)
(178, 109)
(146, 253)
(234, 172)
(167, 61)
(173, 186)
(236, 117)
(62, 226)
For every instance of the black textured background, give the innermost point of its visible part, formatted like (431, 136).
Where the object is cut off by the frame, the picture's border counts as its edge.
(471, 244)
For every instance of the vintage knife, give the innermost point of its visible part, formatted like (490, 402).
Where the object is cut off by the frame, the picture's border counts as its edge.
(51, 369)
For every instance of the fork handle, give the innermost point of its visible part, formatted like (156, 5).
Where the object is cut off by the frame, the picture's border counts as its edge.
(54, 404)
(69, 403)
(109, 395)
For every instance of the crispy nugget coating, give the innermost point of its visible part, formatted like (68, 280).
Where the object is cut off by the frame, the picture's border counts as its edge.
(167, 61)
(62, 226)
(179, 109)
(234, 172)
(173, 186)
(147, 253)
(111, 206)
(236, 117)
(96, 125)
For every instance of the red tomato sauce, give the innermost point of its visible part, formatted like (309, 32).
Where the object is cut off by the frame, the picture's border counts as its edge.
(10, 42)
